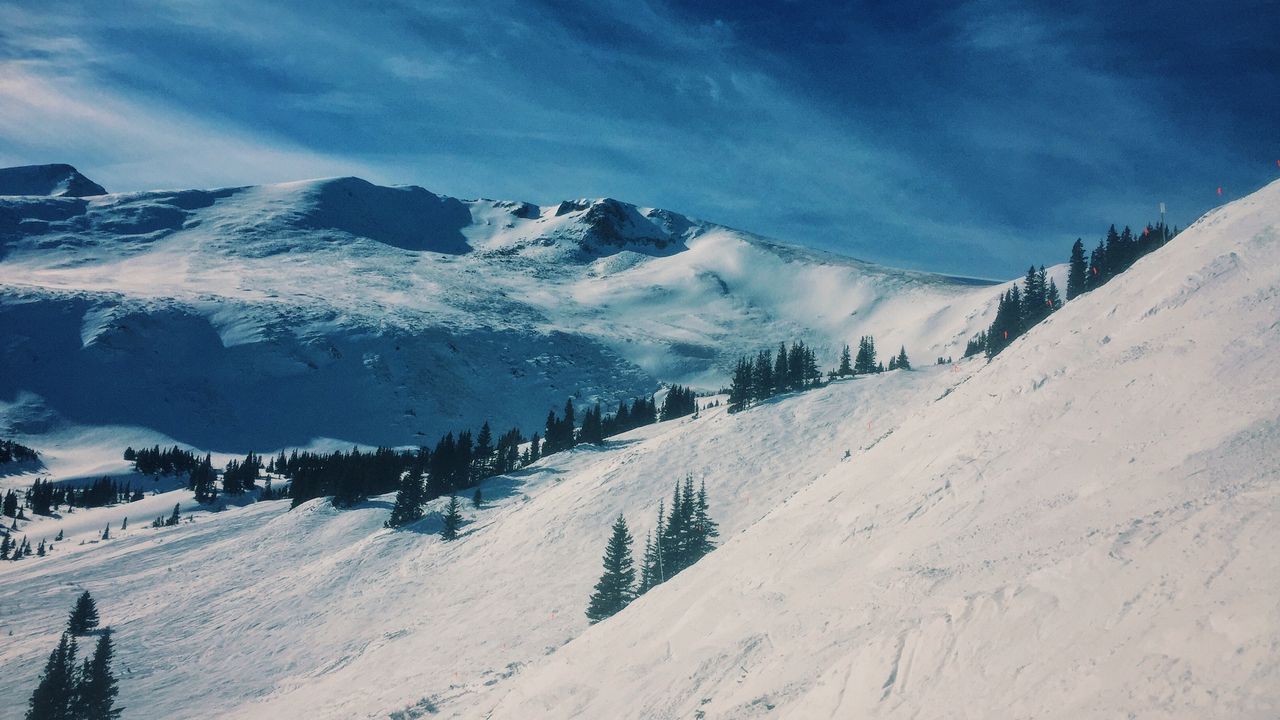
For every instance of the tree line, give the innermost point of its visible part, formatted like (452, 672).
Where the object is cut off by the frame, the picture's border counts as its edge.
(756, 379)
(682, 537)
(1020, 308)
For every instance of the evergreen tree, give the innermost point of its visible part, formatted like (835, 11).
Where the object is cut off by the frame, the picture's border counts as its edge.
(55, 695)
(84, 616)
(96, 695)
(478, 499)
(174, 517)
(452, 520)
(762, 384)
(780, 370)
(592, 426)
(614, 591)
(649, 575)
(106, 532)
(202, 480)
(705, 530)
(865, 361)
(1076, 271)
(409, 499)
(1051, 296)
(740, 386)
(902, 362)
(846, 367)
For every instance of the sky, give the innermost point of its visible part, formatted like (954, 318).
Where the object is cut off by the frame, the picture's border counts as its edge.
(965, 137)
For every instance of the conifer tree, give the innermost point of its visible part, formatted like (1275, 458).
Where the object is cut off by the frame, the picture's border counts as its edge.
(903, 362)
(846, 367)
(613, 591)
(97, 689)
(55, 694)
(649, 576)
(106, 532)
(705, 530)
(452, 520)
(409, 499)
(865, 361)
(478, 499)
(740, 386)
(84, 616)
(1051, 296)
(780, 370)
(1076, 270)
(762, 383)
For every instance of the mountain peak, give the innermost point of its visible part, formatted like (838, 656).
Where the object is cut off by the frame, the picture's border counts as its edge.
(54, 180)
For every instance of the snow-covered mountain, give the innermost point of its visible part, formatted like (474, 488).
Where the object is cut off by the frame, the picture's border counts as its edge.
(1083, 527)
(56, 180)
(277, 315)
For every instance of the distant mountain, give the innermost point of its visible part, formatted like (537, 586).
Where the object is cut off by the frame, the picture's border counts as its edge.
(265, 316)
(56, 180)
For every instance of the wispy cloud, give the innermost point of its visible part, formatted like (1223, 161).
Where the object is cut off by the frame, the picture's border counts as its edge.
(956, 138)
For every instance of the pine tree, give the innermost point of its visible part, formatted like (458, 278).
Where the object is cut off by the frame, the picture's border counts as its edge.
(614, 591)
(1051, 296)
(1076, 271)
(409, 499)
(740, 386)
(865, 361)
(452, 520)
(84, 616)
(175, 516)
(55, 694)
(846, 362)
(106, 532)
(780, 370)
(96, 694)
(705, 530)
(762, 383)
(649, 576)
(902, 362)
(203, 481)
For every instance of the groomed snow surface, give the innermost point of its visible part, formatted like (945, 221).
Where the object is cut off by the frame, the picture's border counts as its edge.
(1084, 527)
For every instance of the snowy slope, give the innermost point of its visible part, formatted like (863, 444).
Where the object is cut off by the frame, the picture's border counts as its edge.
(259, 612)
(390, 314)
(1083, 528)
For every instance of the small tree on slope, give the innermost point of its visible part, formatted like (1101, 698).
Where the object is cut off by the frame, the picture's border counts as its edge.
(613, 592)
(84, 616)
(452, 520)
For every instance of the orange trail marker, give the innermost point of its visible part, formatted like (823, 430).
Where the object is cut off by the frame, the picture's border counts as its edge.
(1219, 190)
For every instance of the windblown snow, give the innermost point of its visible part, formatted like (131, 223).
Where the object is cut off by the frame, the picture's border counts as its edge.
(1083, 527)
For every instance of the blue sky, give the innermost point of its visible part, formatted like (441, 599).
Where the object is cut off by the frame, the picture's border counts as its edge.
(963, 137)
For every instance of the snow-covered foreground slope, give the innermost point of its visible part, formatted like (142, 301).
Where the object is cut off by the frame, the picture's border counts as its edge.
(1086, 527)
(385, 315)
(261, 612)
